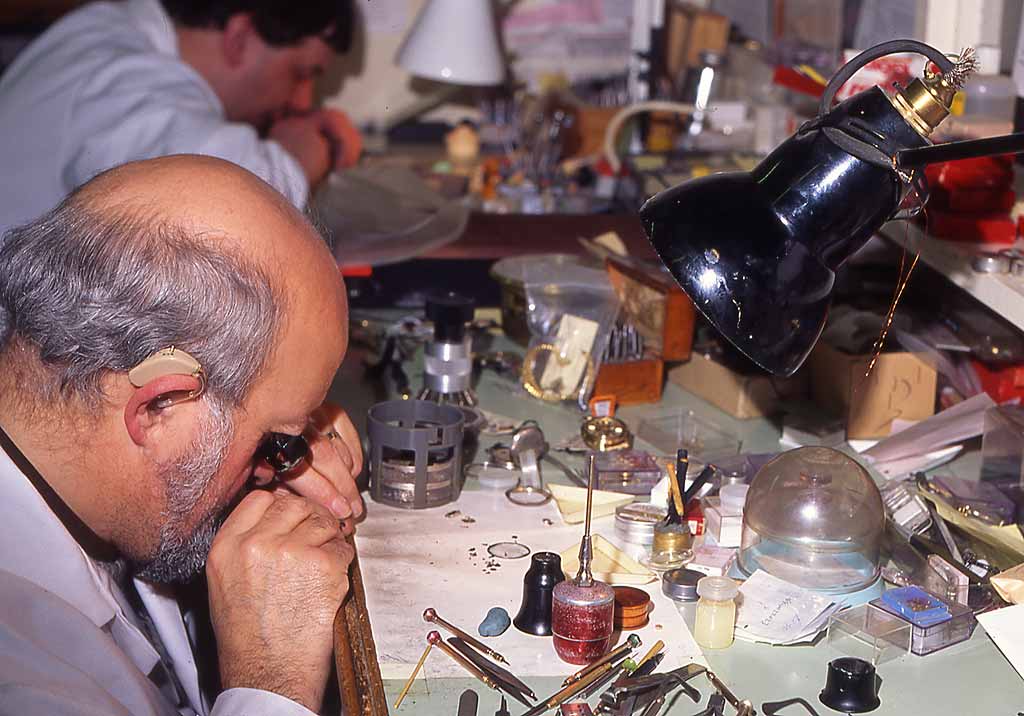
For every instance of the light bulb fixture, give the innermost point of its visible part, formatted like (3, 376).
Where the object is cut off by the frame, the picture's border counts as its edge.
(757, 251)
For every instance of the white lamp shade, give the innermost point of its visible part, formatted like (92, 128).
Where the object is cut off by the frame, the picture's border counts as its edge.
(454, 41)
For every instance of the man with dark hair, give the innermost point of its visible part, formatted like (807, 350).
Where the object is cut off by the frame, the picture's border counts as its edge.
(163, 333)
(114, 82)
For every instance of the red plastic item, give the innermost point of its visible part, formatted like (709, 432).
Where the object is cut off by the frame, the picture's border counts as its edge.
(695, 516)
(357, 271)
(1002, 383)
(990, 228)
(979, 173)
(982, 200)
(791, 79)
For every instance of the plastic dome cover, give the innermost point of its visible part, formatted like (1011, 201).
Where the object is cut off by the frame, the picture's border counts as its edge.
(814, 518)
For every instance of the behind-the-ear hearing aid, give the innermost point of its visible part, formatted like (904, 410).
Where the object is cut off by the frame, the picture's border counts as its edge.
(169, 361)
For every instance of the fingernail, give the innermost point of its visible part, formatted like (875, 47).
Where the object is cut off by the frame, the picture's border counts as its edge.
(340, 508)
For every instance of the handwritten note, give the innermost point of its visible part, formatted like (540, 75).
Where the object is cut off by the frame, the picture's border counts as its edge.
(777, 612)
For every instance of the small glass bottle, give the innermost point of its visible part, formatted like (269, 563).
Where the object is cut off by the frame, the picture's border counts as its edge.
(672, 547)
(716, 612)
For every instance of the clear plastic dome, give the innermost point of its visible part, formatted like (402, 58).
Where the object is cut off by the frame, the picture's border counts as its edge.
(814, 518)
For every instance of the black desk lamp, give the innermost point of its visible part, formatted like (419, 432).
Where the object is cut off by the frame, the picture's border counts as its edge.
(757, 252)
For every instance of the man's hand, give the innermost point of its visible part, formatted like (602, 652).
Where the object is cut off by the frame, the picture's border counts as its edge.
(277, 571)
(344, 135)
(304, 138)
(328, 477)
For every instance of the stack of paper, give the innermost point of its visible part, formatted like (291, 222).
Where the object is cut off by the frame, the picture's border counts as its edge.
(930, 442)
(776, 612)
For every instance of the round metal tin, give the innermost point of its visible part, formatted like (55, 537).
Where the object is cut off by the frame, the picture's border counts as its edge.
(681, 584)
(635, 522)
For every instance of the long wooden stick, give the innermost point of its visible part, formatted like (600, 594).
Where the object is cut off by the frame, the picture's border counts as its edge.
(355, 655)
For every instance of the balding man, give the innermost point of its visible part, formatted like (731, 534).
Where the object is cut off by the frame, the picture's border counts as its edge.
(166, 335)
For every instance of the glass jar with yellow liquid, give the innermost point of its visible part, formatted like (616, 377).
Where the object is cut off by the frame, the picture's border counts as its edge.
(716, 612)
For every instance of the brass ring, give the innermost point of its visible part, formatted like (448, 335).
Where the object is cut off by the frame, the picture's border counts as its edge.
(532, 385)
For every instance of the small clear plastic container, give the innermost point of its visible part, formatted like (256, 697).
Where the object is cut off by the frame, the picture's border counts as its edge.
(869, 633)
(925, 640)
(1002, 446)
(704, 440)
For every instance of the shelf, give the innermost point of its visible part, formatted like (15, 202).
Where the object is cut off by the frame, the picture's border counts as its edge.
(1003, 293)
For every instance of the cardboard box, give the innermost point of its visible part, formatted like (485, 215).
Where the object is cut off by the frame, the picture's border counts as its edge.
(743, 395)
(899, 386)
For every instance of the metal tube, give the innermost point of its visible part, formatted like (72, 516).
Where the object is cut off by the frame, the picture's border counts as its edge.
(435, 639)
(569, 691)
(631, 643)
(430, 615)
(585, 577)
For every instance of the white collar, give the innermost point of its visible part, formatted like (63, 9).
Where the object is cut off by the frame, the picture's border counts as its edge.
(153, 21)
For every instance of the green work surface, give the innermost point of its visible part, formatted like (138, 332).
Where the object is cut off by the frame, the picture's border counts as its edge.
(968, 678)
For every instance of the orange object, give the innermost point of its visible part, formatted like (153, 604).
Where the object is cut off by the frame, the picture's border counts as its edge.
(633, 382)
(655, 304)
(631, 607)
(602, 406)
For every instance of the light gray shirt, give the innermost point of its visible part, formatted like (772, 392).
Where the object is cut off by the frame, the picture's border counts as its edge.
(103, 86)
(70, 644)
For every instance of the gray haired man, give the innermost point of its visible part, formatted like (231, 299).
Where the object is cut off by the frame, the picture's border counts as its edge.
(166, 335)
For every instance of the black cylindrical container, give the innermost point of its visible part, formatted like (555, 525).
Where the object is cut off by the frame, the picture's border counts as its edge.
(534, 615)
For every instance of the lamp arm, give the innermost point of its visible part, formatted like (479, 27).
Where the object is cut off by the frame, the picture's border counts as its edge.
(612, 130)
(969, 149)
(886, 48)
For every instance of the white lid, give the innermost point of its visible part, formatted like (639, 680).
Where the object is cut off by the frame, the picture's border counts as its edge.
(717, 589)
(733, 497)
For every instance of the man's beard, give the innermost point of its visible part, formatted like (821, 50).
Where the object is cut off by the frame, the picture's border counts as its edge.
(179, 557)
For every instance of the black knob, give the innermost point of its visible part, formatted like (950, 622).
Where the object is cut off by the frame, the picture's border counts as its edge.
(450, 313)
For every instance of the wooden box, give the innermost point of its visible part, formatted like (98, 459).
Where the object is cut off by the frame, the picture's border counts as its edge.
(655, 304)
(632, 382)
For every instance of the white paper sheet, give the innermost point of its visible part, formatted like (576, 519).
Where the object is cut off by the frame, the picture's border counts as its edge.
(1006, 628)
(414, 559)
(777, 612)
(963, 421)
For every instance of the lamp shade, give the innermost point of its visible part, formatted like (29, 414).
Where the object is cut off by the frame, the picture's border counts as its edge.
(454, 41)
(757, 252)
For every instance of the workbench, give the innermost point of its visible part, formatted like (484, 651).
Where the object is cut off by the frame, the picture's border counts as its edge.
(968, 678)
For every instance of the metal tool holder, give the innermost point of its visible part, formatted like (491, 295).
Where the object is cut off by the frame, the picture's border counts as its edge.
(415, 453)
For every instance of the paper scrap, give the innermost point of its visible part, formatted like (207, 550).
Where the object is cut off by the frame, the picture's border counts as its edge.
(777, 612)
(1006, 628)
(575, 343)
(1010, 584)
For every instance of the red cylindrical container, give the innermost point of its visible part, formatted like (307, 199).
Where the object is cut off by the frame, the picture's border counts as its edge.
(582, 620)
